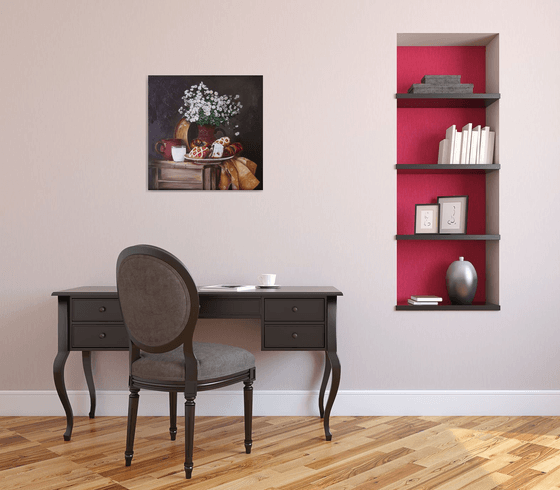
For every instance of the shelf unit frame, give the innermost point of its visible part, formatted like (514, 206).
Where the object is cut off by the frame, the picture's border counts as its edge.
(490, 101)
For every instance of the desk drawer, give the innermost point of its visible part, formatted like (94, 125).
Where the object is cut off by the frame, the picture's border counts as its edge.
(96, 310)
(229, 307)
(99, 336)
(294, 310)
(294, 336)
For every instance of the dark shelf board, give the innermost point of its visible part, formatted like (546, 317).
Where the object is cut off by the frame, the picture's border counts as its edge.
(474, 307)
(446, 100)
(440, 168)
(447, 237)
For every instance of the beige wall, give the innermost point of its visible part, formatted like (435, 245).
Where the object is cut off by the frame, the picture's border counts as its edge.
(73, 137)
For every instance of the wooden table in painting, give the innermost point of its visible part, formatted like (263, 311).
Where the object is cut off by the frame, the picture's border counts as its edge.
(297, 318)
(164, 174)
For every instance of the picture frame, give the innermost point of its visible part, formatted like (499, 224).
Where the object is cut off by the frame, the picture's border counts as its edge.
(453, 214)
(426, 219)
(205, 132)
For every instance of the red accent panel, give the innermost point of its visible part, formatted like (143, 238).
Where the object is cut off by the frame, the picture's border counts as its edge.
(420, 130)
(421, 267)
(424, 188)
(413, 62)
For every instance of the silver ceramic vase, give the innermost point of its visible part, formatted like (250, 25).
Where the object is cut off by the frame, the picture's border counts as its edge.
(461, 281)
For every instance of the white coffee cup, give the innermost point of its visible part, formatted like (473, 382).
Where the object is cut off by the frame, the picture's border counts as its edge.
(178, 153)
(267, 279)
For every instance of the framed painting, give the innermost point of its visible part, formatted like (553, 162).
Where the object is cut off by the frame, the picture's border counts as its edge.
(426, 219)
(453, 214)
(205, 132)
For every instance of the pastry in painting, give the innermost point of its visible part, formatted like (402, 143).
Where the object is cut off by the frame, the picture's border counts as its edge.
(237, 147)
(199, 152)
(229, 151)
(198, 142)
(224, 141)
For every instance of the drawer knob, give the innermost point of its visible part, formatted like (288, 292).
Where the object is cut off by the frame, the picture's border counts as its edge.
(294, 309)
(102, 335)
(294, 335)
(102, 309)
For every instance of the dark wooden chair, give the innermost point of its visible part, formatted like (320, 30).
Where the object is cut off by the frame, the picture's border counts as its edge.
(159, 303)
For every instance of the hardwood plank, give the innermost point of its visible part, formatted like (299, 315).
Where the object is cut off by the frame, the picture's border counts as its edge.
(434, 478)
(22, 456)
(53, 474)
(530, 455)
(466, 450)
(343, 470)
(398, 474)
(548, 482)
(474, 476)
(523, 480)
(487, 482)
(387, 473)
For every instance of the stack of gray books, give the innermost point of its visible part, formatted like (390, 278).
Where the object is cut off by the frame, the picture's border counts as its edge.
(441, 84)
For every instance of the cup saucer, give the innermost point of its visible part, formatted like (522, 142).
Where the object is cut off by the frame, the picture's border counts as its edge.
(274, 286)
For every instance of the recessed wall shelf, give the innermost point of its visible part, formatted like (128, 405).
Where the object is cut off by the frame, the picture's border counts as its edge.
(422, 122)
(447, 237)
(446, 100)
(474, 307)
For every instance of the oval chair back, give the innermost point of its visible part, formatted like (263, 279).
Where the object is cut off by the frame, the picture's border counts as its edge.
(158, 297)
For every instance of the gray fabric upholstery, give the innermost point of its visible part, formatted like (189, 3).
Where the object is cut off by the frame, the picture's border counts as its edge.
(213, 361)
(154, 300)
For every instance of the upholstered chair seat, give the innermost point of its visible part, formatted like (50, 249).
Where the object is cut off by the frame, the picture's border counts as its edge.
(213, 361)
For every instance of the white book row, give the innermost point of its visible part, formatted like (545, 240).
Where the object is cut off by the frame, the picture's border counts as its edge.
(470, 146)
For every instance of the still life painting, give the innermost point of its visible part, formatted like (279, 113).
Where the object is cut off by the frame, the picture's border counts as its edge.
(205, 132)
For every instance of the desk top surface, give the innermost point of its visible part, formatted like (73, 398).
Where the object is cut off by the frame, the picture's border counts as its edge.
(283, 291)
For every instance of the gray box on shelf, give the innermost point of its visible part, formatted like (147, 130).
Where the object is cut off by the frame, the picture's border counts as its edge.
(441, 79)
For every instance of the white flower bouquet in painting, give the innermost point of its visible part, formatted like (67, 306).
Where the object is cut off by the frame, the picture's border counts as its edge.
(206, 107)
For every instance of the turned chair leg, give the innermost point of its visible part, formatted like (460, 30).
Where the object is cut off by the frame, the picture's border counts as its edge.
(189, 436)
(131, 425)
(173, 415)
(248, 402)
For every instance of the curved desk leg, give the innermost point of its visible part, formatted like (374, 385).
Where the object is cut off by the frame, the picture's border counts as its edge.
(335, 363)
(86, 362)
(58, 371)
(326, 376)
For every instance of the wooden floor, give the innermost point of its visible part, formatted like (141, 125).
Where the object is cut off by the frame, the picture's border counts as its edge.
(289, 453)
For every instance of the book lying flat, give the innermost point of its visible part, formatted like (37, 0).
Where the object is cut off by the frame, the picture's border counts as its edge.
(423, 303)
(227, 287)
(426, 298)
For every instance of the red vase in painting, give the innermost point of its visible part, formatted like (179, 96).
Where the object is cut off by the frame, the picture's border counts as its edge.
(207, 133)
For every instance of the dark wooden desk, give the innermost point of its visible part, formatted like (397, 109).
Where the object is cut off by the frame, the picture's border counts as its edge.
(292, 319)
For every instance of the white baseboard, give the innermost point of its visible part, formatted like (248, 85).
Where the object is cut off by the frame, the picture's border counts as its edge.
(297, 403)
